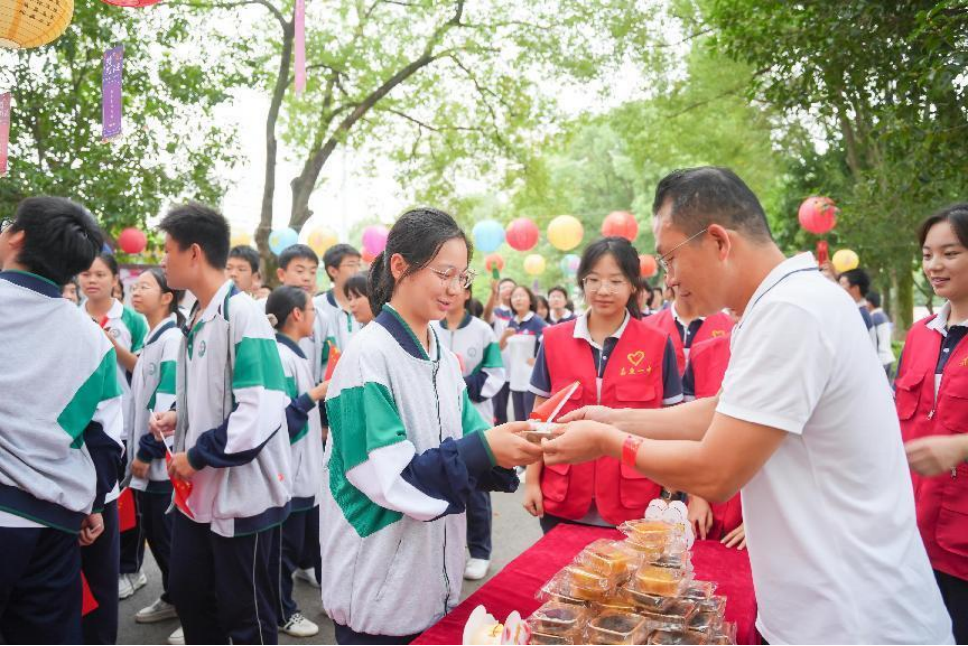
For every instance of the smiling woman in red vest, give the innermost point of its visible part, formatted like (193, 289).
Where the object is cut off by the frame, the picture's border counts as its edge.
(931, 394)
(686, 327)
(620, 362)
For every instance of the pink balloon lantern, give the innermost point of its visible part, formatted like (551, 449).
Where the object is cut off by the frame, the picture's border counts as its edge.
(818, 215)
(375, 239)
(132, 241)
(522, 234)
(620, 224)
(648, 267)
(494, 260)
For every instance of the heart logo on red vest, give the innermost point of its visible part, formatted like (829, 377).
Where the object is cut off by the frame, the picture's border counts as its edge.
(718, 333)
(635, 358)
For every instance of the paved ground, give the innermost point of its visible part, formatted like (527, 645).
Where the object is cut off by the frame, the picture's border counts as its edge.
(514, 532)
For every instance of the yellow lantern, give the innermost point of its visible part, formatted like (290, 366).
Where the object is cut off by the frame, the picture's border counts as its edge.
(242, 240)
(845, 260)
(32, 23)
(534, 265)
(565, 232)
(320, 239)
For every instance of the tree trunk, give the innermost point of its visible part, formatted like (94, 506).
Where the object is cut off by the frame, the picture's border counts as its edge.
(905, 301)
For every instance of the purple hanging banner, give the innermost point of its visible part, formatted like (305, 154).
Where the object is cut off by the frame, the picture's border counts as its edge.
(4, 130)
(111, 93)
(299, 42)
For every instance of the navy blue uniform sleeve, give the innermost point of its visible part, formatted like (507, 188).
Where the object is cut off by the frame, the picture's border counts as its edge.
(297, 413)
(106, 456)
(475, 384)
(150, 449)
(671, 382)
(209, 450)
(540, 378)
(864, 314)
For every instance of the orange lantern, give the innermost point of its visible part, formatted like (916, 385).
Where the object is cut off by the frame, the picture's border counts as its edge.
(32, 23)
(648, 267)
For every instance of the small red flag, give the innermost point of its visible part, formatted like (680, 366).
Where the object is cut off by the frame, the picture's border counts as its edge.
(548, 411)
(127, 512)
(183, 490)
(334, 355)
(88, 602)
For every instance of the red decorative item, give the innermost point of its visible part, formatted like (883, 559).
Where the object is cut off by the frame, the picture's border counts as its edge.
(132, 240)
(522, 234)
(823, 253)
(630, 450)
(620, 224)
(183, 490)
(494, 260)
(648, 266)
(131, 4)
(88, 602)
(331, 361)
(818, 215)
(368, 256)
(127, 511)
(548, 411)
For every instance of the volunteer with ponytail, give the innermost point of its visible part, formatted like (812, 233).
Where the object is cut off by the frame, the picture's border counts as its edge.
(619, 362)
(406, 446)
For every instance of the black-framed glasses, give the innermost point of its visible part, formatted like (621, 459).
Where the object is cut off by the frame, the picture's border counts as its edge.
(454, 278)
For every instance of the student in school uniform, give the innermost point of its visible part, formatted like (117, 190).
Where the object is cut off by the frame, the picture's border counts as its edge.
(620, 362)
(685, 326)
(340, 262)
(883, 331)
(473, 342)
(931, 391)
(153, 390)
(243, 268)
(291, 312)
(406, 446)
(561, 309)
(230, 442)
(497, 312)
(60, 430)
(357, 293)
(69, 291)
(857, 283)
(521, 340)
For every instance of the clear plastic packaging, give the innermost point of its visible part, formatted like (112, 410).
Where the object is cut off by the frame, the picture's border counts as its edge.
(715, 604)
(609, 558)
(551, 591)
(617, 628)
(654, 533)
(618, 603)
(726, 635)
(646, 551)
(675, 616)
(664, 637)
(699, 590)
(705, 622)
(539, 639)
(661, 581)
(681, 561)
(645, 601)
(555, 618)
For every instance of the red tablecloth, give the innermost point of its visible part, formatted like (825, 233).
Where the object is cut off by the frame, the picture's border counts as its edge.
(514, 587)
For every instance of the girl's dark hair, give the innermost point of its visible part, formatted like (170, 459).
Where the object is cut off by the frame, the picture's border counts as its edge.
(281, 302)
(564, 292)
(358, 286)
(627, 259)
(956, 215)
(110, 261)
(531, 297)
(475, 307)
(176, 294)
(417, 236)
(541, 300)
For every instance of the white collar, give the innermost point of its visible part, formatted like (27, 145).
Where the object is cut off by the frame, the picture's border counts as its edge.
(675, 315)
(213, 306)
(940, 322)
(581, 329)
(117, 309)
(161, 324)
(799, 262)
(566, 313)
(527, 317)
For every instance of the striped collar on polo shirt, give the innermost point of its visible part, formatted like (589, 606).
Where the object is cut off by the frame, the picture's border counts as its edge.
(940, 322)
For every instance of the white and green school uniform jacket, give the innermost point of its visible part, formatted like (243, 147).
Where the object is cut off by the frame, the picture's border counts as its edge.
(231, 397)
(474, 341)
(316, 346)
(405, 449)
(342, 325)
(304, 426)
(60, 412)
(153, 390)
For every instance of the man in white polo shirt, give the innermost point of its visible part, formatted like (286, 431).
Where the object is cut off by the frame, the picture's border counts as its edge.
(804, 425)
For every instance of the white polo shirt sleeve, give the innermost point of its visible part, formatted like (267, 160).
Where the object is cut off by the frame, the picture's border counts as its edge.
(780, 364)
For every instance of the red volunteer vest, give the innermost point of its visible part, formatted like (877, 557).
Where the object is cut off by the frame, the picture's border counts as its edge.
(942, 501)
(633, 379)
(717, 325)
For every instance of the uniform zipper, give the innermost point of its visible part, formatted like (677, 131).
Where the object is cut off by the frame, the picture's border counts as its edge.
(440, 435)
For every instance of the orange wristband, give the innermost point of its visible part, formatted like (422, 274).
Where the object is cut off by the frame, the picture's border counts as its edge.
(630, 449)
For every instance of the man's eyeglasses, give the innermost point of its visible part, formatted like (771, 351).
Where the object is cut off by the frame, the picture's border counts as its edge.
(666, 262)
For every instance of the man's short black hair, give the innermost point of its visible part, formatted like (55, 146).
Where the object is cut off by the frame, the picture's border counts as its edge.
(709, 195)
(61, 237)
(358, 286)
(858, 278)
(874, 298)
(336, 254)
(195, 223)
(248, 254)
(292, 252)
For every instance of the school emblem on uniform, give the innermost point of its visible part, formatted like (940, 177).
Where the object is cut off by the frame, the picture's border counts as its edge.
(472, 352)
(115, 332)
(717, 333)
(152, 368)
(201, 349)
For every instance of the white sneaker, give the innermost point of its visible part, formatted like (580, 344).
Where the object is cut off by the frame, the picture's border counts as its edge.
(299, 626)
(177, 638)
(125, 589)
(138, 580)
(476, 569)
(160, 610)
(309, 576)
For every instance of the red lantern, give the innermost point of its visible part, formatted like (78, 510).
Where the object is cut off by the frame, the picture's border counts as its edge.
(648, 267)
(367, 255)
(132, 4)
(818, 215)
(620, 224)
(522, 234)
(494, 260)
(132, 241)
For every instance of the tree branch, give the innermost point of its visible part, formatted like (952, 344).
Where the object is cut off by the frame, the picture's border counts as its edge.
(231, 4)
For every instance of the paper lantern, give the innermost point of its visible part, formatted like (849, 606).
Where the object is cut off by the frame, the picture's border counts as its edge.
(818, 215)
(488, 236)
(131, 4)
(375, 238)
(494, 261)
(569, 265)
(648, 266)
(368, 256)
(620, 224)
(845, 260)
(522, 234)
(241, 240)
(282, 239)
(132, 241)
(321, 239)
(565, 232)
(32, 23)
(534, 265)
